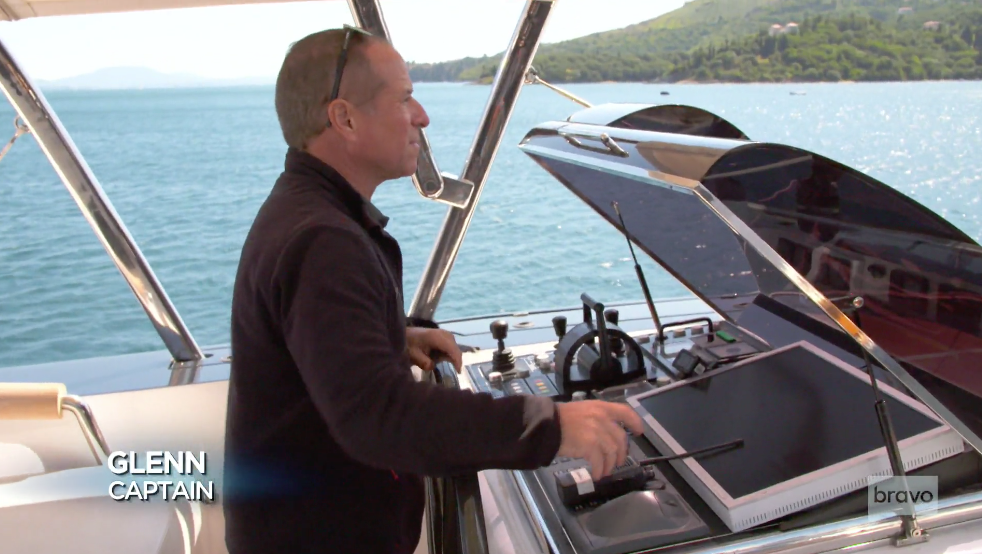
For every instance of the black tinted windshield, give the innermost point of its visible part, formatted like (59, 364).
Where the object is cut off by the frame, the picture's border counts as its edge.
(919, 277)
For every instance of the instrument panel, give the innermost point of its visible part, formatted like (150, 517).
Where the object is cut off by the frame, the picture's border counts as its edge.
(647, 507)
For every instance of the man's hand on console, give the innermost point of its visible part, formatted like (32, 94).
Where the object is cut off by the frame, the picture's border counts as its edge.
(594, 430)
(427, 346)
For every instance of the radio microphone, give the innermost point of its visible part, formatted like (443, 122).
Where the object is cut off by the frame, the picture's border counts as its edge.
(637, 269)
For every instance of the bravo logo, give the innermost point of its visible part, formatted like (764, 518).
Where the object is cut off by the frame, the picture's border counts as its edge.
(886, 496)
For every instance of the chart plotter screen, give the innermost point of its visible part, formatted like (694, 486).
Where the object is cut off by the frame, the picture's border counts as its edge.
(796, 411)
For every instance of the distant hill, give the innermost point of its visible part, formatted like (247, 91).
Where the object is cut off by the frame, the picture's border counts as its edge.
(726, 40)
(143, 78)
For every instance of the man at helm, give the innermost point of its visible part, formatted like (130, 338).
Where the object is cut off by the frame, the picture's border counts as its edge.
(328, 433)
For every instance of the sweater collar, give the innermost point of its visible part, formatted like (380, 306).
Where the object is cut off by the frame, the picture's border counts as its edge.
(303, 163)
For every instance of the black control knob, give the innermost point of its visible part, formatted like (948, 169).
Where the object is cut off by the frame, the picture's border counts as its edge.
(559, 325)
(503, 360)
(499, 330)
(612, 316)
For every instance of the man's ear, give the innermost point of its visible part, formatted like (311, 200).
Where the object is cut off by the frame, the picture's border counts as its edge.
(339, 113)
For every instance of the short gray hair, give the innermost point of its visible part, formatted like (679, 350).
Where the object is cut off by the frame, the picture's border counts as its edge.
(305, 81)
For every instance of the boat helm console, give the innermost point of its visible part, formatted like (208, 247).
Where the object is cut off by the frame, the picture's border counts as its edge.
(713, 389)
(845, 342)
(764, 416)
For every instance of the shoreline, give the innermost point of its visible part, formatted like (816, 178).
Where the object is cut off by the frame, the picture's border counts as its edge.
(691, 82)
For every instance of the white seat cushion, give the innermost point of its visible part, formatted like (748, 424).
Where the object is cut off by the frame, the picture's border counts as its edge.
(71, 511)
(93, 526)
(17, 460)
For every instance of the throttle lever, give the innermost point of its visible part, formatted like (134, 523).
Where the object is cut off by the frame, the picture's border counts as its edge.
(602, 338)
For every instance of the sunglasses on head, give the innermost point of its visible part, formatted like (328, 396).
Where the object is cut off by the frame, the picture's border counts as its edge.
(342, 60)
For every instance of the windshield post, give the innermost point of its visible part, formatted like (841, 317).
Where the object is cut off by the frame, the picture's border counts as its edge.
(504, 93)
(68, 163)
(429, 182)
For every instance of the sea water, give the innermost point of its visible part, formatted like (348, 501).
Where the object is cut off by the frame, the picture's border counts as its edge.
(186, 169)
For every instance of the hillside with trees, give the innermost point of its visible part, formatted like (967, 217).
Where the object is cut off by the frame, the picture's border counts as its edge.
(764, 40)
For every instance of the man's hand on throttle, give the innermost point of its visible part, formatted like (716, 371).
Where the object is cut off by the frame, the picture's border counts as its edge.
(426, 346)
(593, 430)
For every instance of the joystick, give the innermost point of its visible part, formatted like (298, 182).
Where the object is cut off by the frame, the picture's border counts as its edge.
(559, 325)
(503, 360)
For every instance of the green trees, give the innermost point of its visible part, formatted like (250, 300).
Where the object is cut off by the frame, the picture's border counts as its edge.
(859, 40)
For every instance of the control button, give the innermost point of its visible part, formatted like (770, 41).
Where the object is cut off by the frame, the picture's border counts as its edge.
(541, 386)
(495, 378)
(522, 372)
(663, 380)
(579, 395)
(516, 387)
(543, 362)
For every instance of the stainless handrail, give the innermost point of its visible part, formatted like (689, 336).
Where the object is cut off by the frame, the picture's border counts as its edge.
(91, 430)
(427, 179)
(611, 144)
(533, 78)
(19, 129)
(37, 401)
(507, 85)
(68, 163)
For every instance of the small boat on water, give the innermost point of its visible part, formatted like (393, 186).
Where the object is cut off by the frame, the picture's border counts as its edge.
(832, 340)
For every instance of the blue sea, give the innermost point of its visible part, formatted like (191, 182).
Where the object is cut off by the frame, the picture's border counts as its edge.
(186, 169)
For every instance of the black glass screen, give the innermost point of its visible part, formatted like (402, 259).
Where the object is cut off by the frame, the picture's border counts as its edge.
(850, 235)
(686, 120)
(796, 412)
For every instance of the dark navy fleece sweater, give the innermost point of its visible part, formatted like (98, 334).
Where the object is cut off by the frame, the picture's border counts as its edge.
(328, 434)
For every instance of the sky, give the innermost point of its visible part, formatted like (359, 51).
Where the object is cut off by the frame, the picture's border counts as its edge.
(251, 40)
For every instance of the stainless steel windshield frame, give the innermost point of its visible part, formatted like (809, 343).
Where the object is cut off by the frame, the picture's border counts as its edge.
(68, 163)
(427, 179)
(507, 85)
(687, 181)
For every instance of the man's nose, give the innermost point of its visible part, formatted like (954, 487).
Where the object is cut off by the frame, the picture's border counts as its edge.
(421, 119)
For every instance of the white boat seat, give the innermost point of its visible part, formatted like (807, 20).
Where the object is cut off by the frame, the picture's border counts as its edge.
(17, 461)
(71, 511)
(94, 526)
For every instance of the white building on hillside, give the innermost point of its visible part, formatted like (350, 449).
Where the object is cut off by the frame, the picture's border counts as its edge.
(778, 29)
